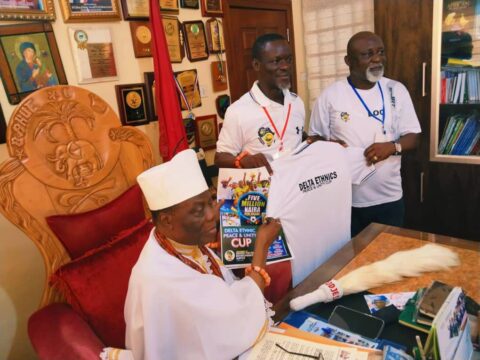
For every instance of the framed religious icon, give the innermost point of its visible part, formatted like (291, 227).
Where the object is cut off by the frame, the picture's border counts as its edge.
(141, 38)
(195, 40)
(169, 5)
(29, 59)
(93, 54)
(27, 10)
(3, 127)
(131, 104)
(90, 10)
(215, 39)
(189, 4)
(135, 9)
(174, 38)
(188, 89)
(206, 132)
(149, 78)
(212, 8)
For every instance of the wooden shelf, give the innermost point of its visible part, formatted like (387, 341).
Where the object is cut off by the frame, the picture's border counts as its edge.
(440, 113)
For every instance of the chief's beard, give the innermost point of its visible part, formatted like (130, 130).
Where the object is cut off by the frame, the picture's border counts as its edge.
(285, 86)
(374, 76)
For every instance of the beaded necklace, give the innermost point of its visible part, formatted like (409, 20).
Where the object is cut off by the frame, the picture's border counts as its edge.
(169, 248)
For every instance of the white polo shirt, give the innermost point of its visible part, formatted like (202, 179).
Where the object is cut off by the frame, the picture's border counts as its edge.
(247, 127)
(339, 114)
(311, 194)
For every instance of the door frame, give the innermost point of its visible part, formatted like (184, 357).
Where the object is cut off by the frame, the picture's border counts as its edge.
(283, 5)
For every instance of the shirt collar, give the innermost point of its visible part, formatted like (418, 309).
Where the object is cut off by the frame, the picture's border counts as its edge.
(259, 96)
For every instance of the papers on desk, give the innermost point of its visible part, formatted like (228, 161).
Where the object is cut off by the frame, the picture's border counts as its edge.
(276, 346)
(449, 337)
(377, 301)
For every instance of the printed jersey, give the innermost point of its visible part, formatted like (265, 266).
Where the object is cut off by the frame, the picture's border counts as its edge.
(339, 114)
(247, 128)
(311, 194)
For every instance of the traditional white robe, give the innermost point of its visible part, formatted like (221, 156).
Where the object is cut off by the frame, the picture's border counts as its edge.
(174, 312)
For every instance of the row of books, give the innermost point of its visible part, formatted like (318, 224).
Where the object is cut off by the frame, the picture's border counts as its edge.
(460, 86)
(461, 135)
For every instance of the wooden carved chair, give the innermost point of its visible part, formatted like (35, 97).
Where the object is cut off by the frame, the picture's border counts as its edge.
(69, 155)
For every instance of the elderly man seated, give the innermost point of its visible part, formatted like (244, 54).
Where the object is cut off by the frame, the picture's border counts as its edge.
(182, 303)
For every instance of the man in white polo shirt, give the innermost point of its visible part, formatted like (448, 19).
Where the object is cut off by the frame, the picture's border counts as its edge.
(375, 113)
(268, 121)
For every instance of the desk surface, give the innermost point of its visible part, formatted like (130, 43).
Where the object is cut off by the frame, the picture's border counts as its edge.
(345, 260)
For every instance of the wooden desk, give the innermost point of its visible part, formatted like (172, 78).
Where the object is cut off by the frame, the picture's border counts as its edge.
(345, 260)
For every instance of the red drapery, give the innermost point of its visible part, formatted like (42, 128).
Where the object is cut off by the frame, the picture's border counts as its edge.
(173, 138)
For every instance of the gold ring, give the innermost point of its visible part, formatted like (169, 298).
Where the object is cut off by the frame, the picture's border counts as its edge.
(375, 158)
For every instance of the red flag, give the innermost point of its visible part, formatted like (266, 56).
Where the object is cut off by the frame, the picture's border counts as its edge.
(173, 138)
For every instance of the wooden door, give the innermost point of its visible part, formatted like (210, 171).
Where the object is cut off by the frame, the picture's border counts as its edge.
(406, 29)
(245, 20)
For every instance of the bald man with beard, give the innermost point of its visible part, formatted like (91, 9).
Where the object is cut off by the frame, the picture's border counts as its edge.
(375, 113)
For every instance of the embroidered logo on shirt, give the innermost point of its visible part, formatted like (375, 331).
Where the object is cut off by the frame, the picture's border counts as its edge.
(345, 116)
(266, 136)
(299, 130)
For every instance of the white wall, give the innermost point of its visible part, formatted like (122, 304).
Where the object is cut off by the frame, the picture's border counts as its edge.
(21, 266)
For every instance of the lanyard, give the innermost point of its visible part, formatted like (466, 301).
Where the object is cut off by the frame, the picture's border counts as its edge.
(369, 112)
(275, 128)
(188, 104)
(280, 136)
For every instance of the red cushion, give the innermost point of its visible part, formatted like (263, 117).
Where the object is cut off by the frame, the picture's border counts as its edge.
(80, 233)
(96, 284)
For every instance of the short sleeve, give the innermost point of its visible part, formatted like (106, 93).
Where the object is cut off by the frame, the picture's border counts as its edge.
(405, 117)
(230, 139)
(320, 120)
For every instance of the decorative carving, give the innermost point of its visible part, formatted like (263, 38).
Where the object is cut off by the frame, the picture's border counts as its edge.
(77, 159)
(66, 157)
(130, 134)
(53, 253)
(74, 200)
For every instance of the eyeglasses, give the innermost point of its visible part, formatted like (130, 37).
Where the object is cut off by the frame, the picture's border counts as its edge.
(317, 357)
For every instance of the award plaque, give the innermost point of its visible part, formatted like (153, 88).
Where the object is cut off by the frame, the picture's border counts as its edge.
(149, 78)
(135, 9)
(174, 38)
(212, 8)
(141, 38)
(83, 11)
(189, 125)
(206, 132)
(93, 54)
(169, 5)
(131, 104)
(215, 37)
(187, 81)
(189, 4)
(196, 41)
(219, 75)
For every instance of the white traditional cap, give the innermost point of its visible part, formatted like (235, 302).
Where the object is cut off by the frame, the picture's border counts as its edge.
(172, 182)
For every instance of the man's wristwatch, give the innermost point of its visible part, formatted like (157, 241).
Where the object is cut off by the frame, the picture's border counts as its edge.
(398, 148)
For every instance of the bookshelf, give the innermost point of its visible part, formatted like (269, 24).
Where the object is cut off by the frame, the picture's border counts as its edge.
(455, 96)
